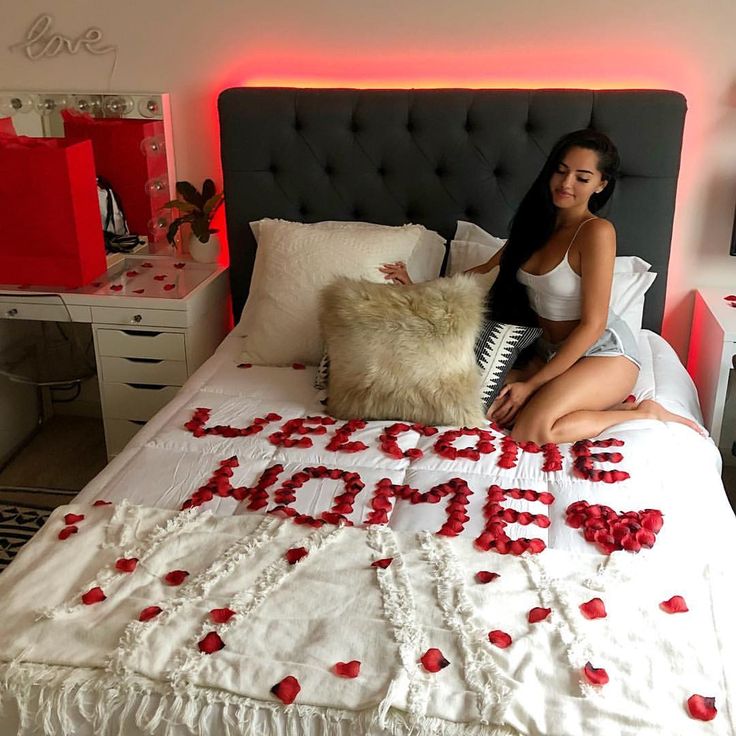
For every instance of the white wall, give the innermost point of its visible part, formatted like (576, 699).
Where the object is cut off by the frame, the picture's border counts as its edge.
(193, 50)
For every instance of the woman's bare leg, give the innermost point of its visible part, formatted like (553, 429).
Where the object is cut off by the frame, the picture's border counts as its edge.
(555, 413)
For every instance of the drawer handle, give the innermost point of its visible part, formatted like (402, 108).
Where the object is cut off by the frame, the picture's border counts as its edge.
(137, 318)
(11, 312)
(143, 360)
(139, 422)
(147, 386)
(140, 333)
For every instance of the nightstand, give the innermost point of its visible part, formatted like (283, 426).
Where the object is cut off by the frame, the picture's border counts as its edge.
(711, 357)
(154, 319)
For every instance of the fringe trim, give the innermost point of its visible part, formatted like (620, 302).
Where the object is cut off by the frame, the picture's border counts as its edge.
(400, 610)
(482, 674)
(54, 699)
(245, 603)
(191, 591)
(109, 579)
(554, 594)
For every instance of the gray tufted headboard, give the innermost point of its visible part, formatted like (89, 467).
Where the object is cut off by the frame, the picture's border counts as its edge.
(435, 156)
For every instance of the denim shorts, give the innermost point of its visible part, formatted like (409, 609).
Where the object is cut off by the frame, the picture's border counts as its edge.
(616, 340)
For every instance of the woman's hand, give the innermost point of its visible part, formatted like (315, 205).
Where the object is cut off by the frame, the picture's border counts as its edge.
(396, 272)
(509, 401)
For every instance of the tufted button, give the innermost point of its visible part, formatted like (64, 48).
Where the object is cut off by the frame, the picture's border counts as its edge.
(302, 211)
(528, 127)
(357, 213)
(440, 171)
(498, 172)
(329, 170)
(273, 169)
(410, 125)
(470, 212)
(381, 171)
(354, 127)
(411, 213)
(298, 124)
(468, 127)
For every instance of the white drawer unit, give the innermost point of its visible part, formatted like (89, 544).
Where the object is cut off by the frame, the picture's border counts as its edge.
(141, 344)
(142, 370)
(155, 320)
(135, 400)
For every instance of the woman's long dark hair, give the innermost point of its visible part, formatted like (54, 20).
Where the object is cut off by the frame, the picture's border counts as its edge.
(534, 223)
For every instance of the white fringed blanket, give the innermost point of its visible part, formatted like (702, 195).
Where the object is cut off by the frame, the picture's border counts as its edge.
(235, 607)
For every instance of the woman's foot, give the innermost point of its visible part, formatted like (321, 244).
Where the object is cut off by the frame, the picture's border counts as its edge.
(652, 410)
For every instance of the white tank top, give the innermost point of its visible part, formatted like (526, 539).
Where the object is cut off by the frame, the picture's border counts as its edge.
(557, 294)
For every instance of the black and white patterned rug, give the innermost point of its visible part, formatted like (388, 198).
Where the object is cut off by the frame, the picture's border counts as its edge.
(23, 511)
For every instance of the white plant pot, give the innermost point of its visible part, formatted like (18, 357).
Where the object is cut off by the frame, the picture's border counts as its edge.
(204, 252)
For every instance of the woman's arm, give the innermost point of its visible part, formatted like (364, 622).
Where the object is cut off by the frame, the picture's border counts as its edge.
(597, 255)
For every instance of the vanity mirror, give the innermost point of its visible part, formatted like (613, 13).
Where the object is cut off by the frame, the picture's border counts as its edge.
(131, 138)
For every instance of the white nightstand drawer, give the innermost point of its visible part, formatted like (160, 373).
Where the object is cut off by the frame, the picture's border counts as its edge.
(143, 370)
(143, 344)
(118, 432)
(125, 401)
(139, 317)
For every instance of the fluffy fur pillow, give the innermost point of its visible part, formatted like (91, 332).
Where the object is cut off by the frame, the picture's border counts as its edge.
(404, 352)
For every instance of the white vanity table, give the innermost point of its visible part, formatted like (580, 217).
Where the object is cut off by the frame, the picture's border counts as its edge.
(155, 320)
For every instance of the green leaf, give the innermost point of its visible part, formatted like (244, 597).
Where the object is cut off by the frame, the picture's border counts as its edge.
(211, 205)
(200, 228)
(179, 204)
(190, 194)
(172, 231)
(208, 189)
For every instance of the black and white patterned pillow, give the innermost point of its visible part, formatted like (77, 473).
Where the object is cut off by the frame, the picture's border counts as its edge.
(323, 373)
(496, 350)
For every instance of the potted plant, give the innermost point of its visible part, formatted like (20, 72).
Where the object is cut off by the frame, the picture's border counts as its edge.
(197, 209)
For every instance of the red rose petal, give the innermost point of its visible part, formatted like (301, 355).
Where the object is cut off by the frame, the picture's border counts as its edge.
(93, 595)
(179, 265)
(499, 638)
(286, 690)
(169, 287)
(116, 287)
(298, 366)
(483, 576)
(383, 564)
(176, 577)
(126, 565)
(594, 608)
(701, 707)
(538, 614)
(433, 660)
(70, 519)
(595, 675)
(211, 643)
(295, 554)
(102, 503)
(676, 604)
(148, 613)
(159, 277)
(221, 615)
(245, 365)
(67, 531)
(138, 291)
(347, 669)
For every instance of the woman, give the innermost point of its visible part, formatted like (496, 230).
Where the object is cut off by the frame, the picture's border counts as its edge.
(556, 271)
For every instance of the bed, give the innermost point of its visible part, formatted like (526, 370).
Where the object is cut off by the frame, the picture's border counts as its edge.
(167, 600)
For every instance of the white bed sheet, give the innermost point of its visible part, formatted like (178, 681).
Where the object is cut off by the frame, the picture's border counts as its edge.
(671, 469)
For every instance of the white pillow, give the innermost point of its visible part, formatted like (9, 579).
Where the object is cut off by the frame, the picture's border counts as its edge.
(469, 231)
(631, 275)
(631, 280)
(293, 262)
(426, 259)
(465, 254)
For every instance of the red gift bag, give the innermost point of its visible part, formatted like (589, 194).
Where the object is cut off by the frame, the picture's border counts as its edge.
(51, 232)
(123, 159)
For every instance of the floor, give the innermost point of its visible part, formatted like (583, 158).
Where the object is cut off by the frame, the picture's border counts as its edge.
(66, 453)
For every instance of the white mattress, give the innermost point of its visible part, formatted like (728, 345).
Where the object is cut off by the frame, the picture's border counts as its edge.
(667, 467)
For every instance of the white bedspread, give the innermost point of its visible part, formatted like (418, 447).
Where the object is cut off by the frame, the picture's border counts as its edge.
(237, 442)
